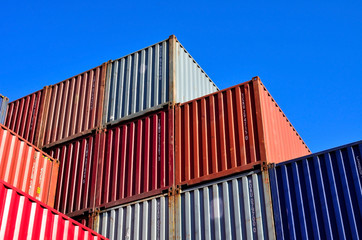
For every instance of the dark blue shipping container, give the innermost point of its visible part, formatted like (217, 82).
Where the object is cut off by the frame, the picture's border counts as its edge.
(319, 196)
(3, 106)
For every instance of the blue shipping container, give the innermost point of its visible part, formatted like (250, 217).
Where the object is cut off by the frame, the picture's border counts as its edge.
(319, 196)
(3, 106)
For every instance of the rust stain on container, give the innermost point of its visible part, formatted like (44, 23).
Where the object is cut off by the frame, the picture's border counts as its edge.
(231, 131)
(26, 167)
(23, 217)
(24, 115)
(73, 106)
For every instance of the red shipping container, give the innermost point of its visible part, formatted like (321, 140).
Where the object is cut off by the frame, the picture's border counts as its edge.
(23, 217)
(73, 106)
(136, 158)
(231, 131)
(128, 161)
(27, 167)
(24, 115)
(61, 111)
(79, 159)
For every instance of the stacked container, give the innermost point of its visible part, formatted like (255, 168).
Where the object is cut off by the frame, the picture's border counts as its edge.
(24, 217)
(149, 148)
(319, 196)
(112, 127)
(26, 167)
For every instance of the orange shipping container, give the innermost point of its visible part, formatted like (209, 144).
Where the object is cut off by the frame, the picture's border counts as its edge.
(231, 131)
(26, 167)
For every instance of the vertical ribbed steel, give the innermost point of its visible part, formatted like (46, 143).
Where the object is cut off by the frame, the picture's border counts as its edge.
(24, 115)
(135, 160)
(142, 80)
(3, 106)
(319, 196)
(232, 208)
(191, 81)
(137, 82)
(26, 167)
(147, 219)
(23, 217)
(231, 131)
(73, 106)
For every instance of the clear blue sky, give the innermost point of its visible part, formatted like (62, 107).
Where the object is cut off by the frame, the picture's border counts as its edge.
(308, 54)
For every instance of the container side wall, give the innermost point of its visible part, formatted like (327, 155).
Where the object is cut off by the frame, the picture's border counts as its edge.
(77, 173)
(191, 81)
(26, 167)
(142, 220)
(216, 135)
(23, 217)
(319, 196)
(234, 208)
(23, 115)
(136, 159)
(137, 82)
(282, 141)
(75, 105)
(3, 107)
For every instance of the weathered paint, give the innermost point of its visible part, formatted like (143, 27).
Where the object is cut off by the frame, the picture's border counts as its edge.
(23, 217)
(236, 207)
(77, 173)
(73, 106)
(164, 72)
(136, 158)
(319, 196)
(24, 115)
(146, 219)
(231, 131)
(3, 106)
(27, 167)
(125, 162)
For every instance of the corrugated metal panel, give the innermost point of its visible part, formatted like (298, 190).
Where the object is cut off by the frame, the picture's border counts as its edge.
(136, 159)
(23, 115)
(233, 208)
(147, 79)
(3, 106)
(77, 173)
(147, 219)
(224, 132)
(27, 167)
(137, 82)
(191, 81)
(23, 217)
(74, 105)
(319, 196)
(128, 161)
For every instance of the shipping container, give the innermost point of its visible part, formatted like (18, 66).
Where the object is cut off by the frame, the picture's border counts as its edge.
(73, 106)
(319, 196)
(236, 207)
(136, 158)
(27, 167)
(164, 72)
(23, 217)
(125, 162)
(143, 220)
(3, 106)
(24, 116)
(230, 131)
(77, 173)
